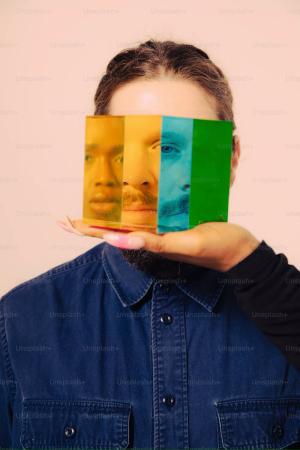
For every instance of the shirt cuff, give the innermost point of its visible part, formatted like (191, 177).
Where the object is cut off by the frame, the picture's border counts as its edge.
(255, 263)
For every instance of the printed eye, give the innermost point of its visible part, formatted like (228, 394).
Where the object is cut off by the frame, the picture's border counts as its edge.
(87, 157)
(119, 159)
(168, 149)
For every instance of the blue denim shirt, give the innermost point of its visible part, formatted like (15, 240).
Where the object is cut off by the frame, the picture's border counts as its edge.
(96, 354)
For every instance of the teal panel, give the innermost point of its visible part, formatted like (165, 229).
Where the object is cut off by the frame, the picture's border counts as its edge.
(175, 172)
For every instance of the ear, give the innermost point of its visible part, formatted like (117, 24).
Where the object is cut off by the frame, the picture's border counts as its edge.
(236, 152)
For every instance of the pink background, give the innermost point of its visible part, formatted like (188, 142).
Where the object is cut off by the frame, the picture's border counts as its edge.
(52, 56)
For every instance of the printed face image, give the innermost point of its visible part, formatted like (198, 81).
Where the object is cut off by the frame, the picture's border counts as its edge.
(175, 169)
(142, 135)
(103, 168)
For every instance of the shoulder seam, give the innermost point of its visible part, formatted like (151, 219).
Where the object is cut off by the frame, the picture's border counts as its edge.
(52, 273)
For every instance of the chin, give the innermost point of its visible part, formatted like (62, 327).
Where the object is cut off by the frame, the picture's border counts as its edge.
(146, 218)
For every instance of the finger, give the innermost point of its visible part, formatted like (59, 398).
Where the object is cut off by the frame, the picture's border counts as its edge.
(67, 227)
(86, 229)
(186, 243)
(77, 226)
(92, 230)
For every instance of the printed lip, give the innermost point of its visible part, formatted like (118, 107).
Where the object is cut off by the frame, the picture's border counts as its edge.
(139, 208)
(104, 200)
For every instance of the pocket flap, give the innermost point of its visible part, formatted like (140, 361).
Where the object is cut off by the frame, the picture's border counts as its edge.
(82, 423)
(259, 423)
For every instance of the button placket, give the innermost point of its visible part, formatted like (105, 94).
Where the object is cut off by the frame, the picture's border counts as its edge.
(169, 370)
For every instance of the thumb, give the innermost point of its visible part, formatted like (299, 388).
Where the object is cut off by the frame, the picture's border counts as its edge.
(177, 242)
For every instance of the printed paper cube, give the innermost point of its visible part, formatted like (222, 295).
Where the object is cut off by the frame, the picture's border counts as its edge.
(155, 172)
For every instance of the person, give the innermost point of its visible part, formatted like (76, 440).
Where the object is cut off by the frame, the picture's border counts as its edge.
(142, 341)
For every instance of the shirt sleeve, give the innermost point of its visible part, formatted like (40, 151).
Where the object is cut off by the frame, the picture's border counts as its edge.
(5, 394)
(267, 289)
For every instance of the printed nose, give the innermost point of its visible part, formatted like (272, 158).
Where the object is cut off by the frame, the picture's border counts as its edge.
(104, 182)
(186, 187)
(104, 175)
(136, 184)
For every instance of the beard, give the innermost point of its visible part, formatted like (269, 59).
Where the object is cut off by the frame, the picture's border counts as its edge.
(157, 266)
(153, 264)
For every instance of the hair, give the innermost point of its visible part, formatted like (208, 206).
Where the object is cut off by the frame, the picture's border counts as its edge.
(153, 59)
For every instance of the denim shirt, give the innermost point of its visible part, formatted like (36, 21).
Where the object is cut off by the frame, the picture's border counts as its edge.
(97, 354)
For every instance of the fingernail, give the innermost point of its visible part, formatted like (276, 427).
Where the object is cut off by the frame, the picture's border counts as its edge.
(119, 240)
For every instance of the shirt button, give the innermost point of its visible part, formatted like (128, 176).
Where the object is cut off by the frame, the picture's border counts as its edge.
(69, 432)
(165, 287)
(166, 318)
(169, 400)
(277, 431)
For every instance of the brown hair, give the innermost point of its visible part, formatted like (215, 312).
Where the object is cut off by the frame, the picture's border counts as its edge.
(153, 58)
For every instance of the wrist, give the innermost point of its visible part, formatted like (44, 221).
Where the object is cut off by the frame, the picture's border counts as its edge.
(245, 250)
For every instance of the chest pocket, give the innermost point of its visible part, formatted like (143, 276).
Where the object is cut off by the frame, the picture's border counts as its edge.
(82, 424)
(259, 423)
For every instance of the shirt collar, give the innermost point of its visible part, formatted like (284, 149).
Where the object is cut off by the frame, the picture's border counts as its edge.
(131, 285)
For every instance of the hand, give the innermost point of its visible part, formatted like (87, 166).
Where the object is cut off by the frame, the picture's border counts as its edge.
(215, 245)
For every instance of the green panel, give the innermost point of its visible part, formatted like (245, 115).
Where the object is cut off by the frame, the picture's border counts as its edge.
(210, 171)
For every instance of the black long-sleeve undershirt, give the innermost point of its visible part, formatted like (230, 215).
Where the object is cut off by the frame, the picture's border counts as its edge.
(267, 289)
